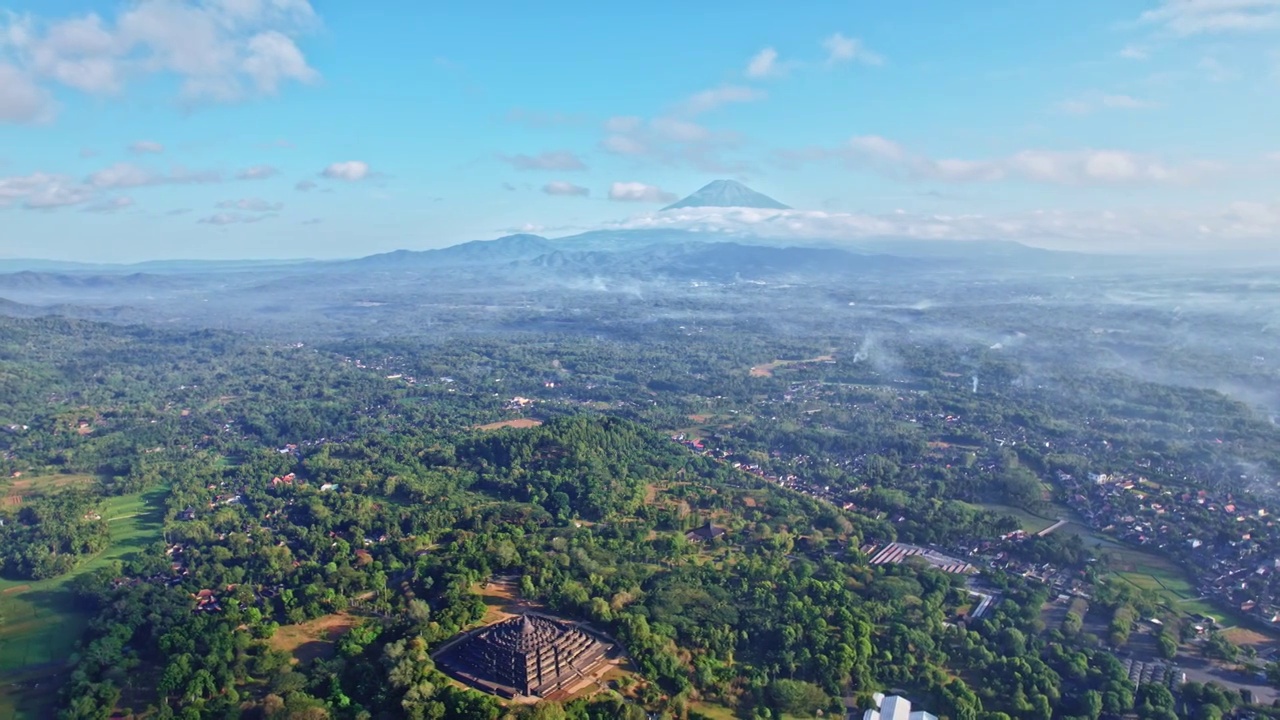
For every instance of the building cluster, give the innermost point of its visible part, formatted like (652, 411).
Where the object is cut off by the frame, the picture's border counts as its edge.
(895, 553)
(1230, 544)
(895, 707)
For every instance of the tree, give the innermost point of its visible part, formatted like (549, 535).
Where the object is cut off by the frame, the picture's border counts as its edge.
(797, 697)
(1168, 647)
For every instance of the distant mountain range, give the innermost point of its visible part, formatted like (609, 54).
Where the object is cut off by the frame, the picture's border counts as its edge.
(648, 254)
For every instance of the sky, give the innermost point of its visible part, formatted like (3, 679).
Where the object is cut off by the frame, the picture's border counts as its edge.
(134, 130)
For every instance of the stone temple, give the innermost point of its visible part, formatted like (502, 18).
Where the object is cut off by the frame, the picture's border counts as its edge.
(528, 655)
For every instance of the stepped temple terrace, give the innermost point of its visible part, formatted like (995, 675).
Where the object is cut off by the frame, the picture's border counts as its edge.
(527, 655)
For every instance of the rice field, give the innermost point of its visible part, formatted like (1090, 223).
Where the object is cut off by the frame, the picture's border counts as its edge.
(42, 624)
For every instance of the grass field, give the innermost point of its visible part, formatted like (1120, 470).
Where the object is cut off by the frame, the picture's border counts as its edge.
(518, 423)
(42, 624)
(1152, 572)
(13, 491)
(720, 712)
(713, 711)
(1030, 522)
(313, 639)
(766, 370)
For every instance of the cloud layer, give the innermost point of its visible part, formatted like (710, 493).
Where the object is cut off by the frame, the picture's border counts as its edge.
(1238, 226)
(219, 50)
(1202, 17)
(1085, 167)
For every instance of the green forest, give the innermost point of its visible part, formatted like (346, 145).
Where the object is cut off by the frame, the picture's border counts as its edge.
(295, 486)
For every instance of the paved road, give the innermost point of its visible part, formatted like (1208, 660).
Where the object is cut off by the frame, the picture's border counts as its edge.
(1052, 527)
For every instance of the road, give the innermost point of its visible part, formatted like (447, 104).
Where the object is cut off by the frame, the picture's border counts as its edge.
(1052, 527)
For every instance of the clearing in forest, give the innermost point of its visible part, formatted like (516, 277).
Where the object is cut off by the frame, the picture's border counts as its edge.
(766, 370)
(1152, 572)
(14, 491)
(502, 596)
(517, 423)
(1244, 637)
(1028, 521)
(313, 639)
(42, 622)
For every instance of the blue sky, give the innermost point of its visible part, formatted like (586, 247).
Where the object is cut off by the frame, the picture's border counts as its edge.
(287, 128)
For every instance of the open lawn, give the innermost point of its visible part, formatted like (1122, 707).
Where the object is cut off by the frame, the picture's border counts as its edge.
(518, 423)
(766, 370)
(720, 712)
(713, 711)
(42, 623)
(502, 596)
(1028, 521)
(313, 639)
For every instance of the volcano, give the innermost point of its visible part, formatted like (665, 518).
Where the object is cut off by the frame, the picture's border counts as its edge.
(728, 193)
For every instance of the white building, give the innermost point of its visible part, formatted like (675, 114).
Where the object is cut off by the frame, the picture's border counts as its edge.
(895, 707)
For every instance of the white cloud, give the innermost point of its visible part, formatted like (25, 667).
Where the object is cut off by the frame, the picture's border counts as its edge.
(639, 192)
(273, 58)
(561, 187)
(671, 141)
(1133, 52)
(1088, 104)
(305, 186)
(21, 99)
(1239, 226)
(224, 218)
(350, 170)
(1124, 102)
(1215, 70)
(123, 175)
(1084, 167)
(257, 172)
(128, 175)
(43, 191)
(708, 100)
(17, 188)
(677, 130)
(48, 191)
(146, 147)
(674, 138)
(623, 124)
(559, 160)
(219, 50)
(624, 145)
(841, 49)
(764, 64)
(256, 205)
(1200, 17)
(878, 147)
(111, 205)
